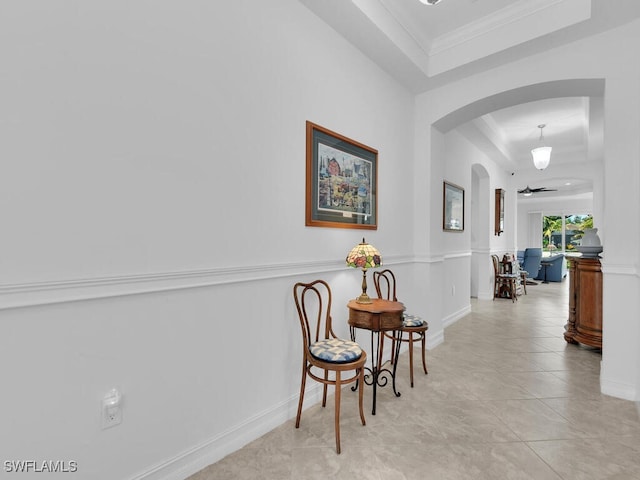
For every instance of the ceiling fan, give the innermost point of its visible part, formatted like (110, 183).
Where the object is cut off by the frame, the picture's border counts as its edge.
(530, 191)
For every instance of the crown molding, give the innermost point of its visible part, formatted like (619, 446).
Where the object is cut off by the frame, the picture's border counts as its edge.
(517, 23)
(513, 13)
(378, 12)
(520, 22)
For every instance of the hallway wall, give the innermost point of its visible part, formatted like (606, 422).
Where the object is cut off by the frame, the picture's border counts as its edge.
(154, 217)
(153, 224)
(586, 59)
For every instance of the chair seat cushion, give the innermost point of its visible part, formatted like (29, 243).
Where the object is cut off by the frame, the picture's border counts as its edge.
(412, 321)
(508, 275)
(336, 350)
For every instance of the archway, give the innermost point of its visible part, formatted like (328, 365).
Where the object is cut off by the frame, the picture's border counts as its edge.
(480, 231)
(482, 241)
(517, 96)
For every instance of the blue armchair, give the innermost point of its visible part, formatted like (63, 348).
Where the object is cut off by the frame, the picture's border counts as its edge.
(531, 258)
(556, 270)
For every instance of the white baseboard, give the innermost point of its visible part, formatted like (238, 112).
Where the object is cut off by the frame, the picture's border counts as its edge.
(214, 449)
(485, 296)
(619, 390)
(616, 388)
(433, 340)
(454, 317)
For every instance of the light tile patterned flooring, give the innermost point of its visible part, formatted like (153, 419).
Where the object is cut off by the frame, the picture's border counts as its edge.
(505, 398)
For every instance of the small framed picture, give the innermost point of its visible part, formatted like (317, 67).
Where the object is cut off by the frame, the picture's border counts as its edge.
(499, 218)
(452, 208)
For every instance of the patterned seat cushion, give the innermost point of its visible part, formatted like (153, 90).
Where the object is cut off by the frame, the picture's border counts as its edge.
(412, 321)
(509, 275)
(335, 350)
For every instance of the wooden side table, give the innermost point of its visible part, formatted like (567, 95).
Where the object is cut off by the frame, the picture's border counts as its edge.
(585, 302)
(378, 316)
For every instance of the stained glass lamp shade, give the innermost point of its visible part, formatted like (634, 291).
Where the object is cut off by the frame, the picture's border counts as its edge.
(364, 256)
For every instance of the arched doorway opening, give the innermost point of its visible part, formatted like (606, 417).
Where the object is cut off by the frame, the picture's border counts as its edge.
(480, 231)
(482, 241)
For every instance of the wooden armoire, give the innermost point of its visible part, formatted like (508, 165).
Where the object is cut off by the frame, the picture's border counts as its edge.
(585, 302)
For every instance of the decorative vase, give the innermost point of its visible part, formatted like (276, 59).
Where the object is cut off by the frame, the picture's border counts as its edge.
(590, 238)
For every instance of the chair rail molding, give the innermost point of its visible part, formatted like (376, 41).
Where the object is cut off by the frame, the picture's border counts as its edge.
(441, 257)
(74, 290)
(620, 269)
(461, 254)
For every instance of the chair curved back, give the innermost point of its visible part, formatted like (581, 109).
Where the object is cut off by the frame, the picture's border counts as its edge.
(508, 279)
(415, 331)
(496, 264)
(313, 302)
(385, 284)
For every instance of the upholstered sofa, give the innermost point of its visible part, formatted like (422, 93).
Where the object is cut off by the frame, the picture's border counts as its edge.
(557, 269)
(529, 260)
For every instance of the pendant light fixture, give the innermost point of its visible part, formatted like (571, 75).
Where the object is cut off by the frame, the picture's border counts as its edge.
(542, 154)
(430, 2)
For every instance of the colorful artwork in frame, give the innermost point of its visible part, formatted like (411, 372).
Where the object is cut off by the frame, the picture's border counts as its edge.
(341, 186)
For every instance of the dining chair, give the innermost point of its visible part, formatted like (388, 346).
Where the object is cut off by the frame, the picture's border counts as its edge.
(502, 281)
(413, 326)
(325, 357)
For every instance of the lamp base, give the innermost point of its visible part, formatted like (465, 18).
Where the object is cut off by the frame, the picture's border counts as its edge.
(364, 298)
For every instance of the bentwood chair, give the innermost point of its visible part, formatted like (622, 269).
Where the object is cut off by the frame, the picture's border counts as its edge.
(414, 329)
(326, 357)
(504, 282)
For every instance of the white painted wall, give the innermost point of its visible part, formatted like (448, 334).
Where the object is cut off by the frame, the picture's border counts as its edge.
(154, 155)
(599, 57)
(479, 239)
(153, 185)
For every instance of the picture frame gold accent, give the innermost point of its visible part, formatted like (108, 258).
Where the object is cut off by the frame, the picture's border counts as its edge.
(342, 181)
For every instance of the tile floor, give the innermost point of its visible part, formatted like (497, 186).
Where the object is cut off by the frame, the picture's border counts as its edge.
(505, 398)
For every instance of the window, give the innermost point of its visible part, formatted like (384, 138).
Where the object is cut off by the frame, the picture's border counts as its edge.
(564, 233)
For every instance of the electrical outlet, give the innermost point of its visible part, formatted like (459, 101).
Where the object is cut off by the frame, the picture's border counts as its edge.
(112, 409)
(111, 417)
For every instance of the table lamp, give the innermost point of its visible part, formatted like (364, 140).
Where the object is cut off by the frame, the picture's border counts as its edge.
(364, 256)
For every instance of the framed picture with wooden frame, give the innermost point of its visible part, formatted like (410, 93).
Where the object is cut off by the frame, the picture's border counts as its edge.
(452, 207)
(342, 181)
(499, 213)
